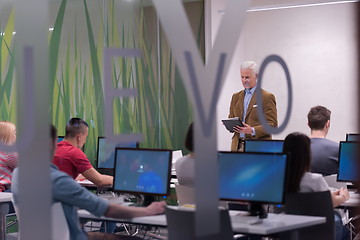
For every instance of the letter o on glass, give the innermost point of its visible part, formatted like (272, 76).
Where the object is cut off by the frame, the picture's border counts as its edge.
(267, 127)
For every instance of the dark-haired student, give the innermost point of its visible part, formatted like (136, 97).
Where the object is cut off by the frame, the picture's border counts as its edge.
(324, 152)
(70, 159)
(302, 180)
(73, 196)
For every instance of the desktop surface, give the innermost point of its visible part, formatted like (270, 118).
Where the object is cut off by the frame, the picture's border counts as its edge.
(275, 223)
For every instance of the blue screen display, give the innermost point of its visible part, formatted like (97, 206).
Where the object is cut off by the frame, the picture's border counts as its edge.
(265, 146)
(60, 138)
(142, 171)
(106, 152)
(348, 165)
(256, 177)
(352, 137)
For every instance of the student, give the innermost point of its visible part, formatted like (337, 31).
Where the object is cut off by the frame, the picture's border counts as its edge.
(185, 165)
(301, 180)
(71, 160)
(73, 196)
(8, 160)
(324, 152)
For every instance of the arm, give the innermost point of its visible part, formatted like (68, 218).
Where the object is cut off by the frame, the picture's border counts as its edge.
(270, 111)
(119, 211)
(98, 179)
(339, 197)
(231, 110)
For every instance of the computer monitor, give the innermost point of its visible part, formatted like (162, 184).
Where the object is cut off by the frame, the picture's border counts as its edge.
(254, 177)
(142, 171)
(353, 137)
(348, 162)
(60, 138)
(106, 154)
(266, 146)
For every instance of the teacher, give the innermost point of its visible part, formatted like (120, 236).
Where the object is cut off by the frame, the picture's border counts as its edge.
(243, 105)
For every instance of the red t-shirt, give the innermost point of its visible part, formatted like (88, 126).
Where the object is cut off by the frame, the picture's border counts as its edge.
(70, 159)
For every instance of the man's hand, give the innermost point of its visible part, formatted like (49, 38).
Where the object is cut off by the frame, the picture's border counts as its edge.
(247, 129)
(156, 208)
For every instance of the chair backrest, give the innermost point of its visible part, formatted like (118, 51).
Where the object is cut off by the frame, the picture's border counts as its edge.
(60, 229)
(185, 194)
(181, 221)
(313, 204)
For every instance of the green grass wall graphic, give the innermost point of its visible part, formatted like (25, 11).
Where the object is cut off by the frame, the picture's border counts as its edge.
(81, 30)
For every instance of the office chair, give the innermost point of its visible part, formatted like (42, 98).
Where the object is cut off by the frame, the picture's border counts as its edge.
(313, 204)
(60, 229)
(181, 224)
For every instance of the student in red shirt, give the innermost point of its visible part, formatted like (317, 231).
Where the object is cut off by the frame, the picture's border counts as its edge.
(70, 159)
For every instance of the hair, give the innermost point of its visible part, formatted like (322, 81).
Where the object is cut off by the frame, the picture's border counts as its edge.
(7, 131)
(317, 117)
(249, 65)
(74, 127)
(298, 146)
(53, 132)
(189, 139)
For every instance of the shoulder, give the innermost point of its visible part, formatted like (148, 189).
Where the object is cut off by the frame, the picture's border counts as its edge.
(266, 93)
(324, 142)
(310, 177)
(237, 94)
(183, 161)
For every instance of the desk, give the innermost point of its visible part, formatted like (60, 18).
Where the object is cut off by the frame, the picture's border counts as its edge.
(5, 198)
(275, 223)
(353, 201)
(91, 186)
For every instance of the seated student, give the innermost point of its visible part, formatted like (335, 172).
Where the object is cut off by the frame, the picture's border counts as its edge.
(185, 165)
(301, 180)
(8, 160)
(324, 152)
(71, 160)
(73, 196)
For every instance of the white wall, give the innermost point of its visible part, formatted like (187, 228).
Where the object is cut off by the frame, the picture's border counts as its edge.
(319, 45)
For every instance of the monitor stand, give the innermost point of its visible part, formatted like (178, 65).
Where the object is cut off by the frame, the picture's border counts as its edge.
(257, 209)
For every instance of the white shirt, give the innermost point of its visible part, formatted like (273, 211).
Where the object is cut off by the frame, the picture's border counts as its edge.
(184, 168)
(313, 182)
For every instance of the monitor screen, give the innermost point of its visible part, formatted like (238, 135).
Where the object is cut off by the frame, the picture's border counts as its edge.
(352, 137)
(143, 171)
(60, 138)
(255, 177)
(106, 152)
(266, 146)
(348, 162)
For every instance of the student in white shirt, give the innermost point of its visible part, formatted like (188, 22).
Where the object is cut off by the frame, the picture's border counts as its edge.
(301, 179)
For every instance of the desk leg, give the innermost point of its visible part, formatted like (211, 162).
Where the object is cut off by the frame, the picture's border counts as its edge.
(4, 209)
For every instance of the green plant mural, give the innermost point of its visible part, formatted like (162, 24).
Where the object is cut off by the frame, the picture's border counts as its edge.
(81, 30)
